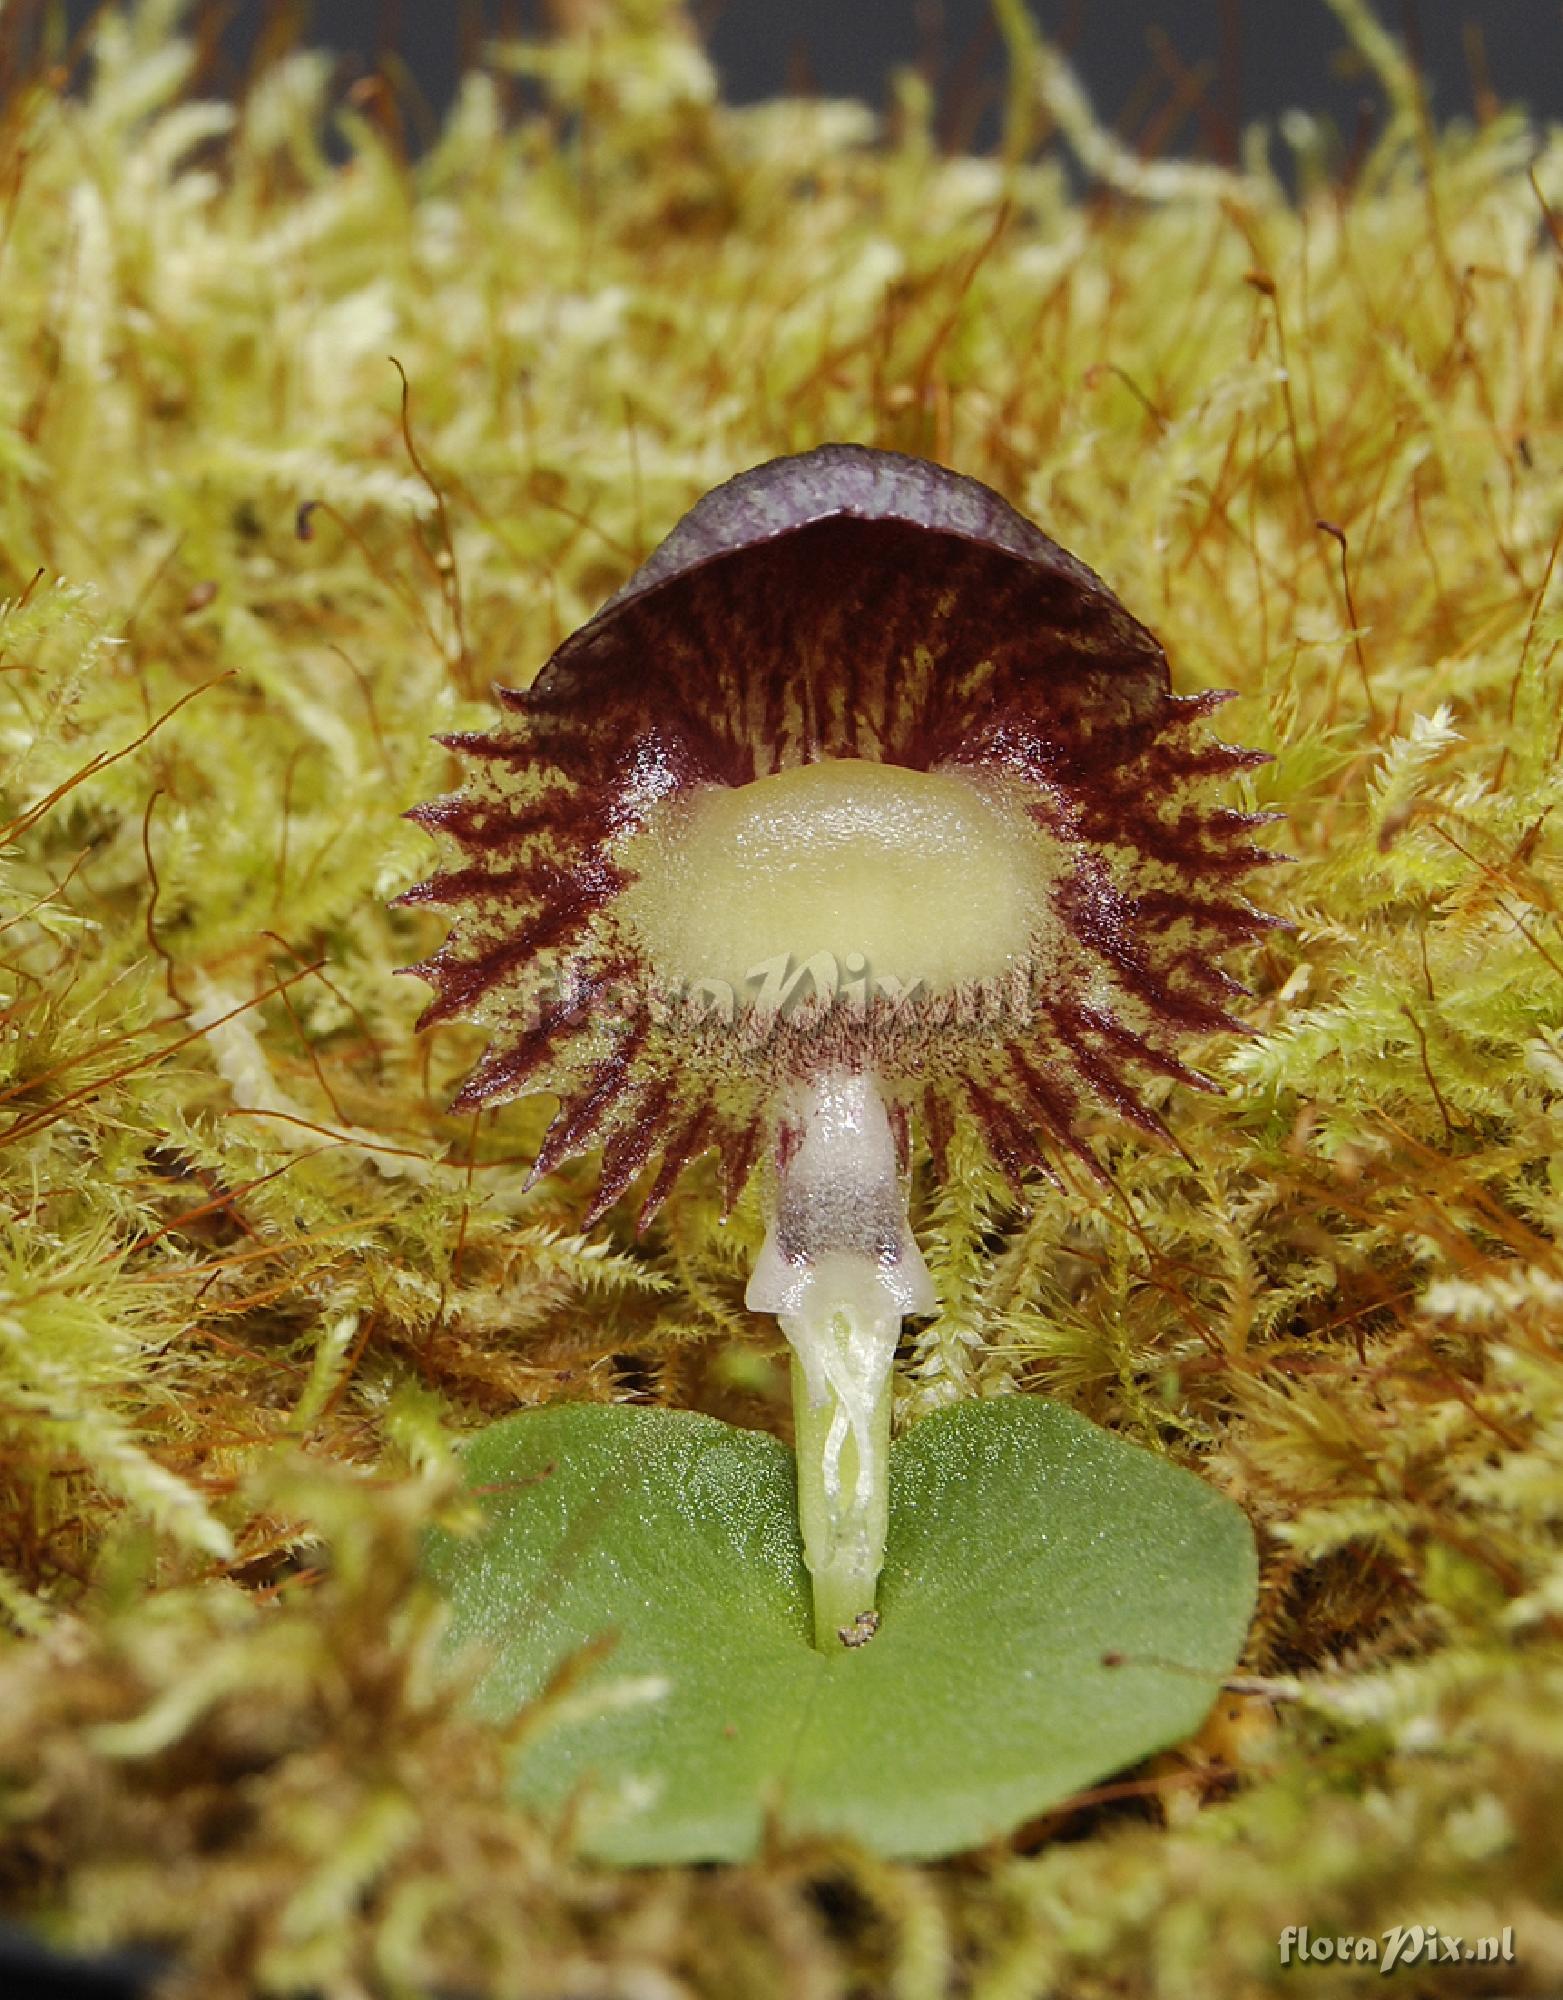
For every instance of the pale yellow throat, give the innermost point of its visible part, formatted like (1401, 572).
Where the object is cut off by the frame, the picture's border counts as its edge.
(903, 875)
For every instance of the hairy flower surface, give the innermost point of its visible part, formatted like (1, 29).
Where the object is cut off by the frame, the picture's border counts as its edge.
(859, 772)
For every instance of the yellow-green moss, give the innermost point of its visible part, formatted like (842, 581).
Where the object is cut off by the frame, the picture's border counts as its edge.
(257, 1280)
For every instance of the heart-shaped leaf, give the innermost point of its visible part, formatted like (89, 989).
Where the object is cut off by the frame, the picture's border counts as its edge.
(1056, 1604)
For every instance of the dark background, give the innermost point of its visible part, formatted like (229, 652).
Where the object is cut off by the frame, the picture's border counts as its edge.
(1171, 75)
(1258, 56)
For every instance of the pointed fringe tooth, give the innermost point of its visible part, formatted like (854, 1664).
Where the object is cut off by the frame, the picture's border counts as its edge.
(1009, 1139)
(1242, 821)
(525, 884)
(1236, 920)
(452, 888)
(1061, 1125)
(1228, 864)
(1152, 985)
(1108, 1083)
(484, 743)
(1054, 1109)
(1114, 1089)
(506, 1073)
(1199, 845)
(1096, 919)
(1185, 708)
(577, 759)
(628, 1149)
(687, 1145)
(1266, 920)
(1216, 760)
(579, 1117)
(461, 982)
(482, 824)
(1139, 1049)
(1053, 1105)
(432, 812)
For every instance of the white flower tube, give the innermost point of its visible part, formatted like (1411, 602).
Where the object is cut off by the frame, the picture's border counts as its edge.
(841, 1269)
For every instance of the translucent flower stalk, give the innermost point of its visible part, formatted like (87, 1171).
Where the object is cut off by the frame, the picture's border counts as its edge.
(841, 1269)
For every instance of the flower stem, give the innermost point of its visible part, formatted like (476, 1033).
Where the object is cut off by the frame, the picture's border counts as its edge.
(840, 1268)
(843, 1497)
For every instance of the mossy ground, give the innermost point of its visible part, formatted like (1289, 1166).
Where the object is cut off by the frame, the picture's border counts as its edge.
(256, 1280)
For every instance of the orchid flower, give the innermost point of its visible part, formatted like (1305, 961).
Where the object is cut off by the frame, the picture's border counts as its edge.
(862, 808)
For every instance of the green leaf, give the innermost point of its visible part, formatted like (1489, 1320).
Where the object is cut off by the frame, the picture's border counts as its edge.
(1056, 1604)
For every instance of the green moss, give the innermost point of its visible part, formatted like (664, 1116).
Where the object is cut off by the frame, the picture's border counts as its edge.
(259, 1280)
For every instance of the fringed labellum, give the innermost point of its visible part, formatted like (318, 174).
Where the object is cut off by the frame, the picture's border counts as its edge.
(862, 806)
